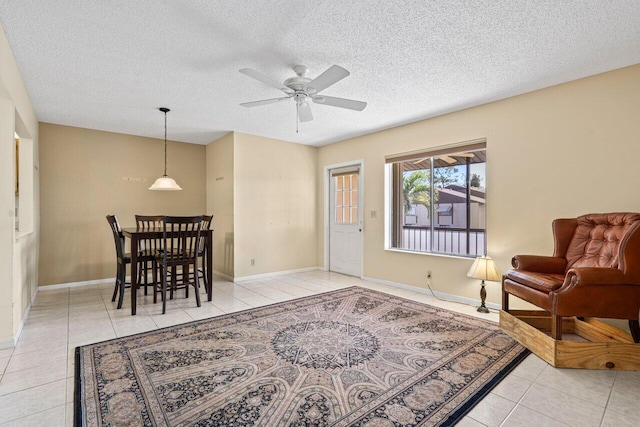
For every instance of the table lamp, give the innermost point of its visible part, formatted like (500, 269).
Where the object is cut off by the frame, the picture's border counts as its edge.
(484, 268)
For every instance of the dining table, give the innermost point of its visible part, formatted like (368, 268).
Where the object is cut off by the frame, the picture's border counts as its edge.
(137, 235)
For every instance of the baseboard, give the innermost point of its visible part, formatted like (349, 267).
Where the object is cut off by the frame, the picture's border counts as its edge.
(25, 316)
(215, 272)
(442, 295)
(12, 342)
(77, 284)
(274, 274)
(128, 278)
(224, 276)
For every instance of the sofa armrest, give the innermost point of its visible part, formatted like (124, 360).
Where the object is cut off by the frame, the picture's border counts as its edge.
(595, 276)
(539, 264)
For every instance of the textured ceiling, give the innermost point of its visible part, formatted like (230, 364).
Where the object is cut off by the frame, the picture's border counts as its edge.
(109, 65)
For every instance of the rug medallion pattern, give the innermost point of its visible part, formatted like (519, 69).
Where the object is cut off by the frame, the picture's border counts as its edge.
(349, 357)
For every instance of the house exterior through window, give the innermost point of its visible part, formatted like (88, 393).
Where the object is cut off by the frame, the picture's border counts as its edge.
(438, 200)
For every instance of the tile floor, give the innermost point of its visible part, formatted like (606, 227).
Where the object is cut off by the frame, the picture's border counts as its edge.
(36, 377)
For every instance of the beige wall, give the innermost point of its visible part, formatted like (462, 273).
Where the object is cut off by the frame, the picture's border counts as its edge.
(220, 178)
(274, 205)
(82, 173)
(18, 253)
(559, 152)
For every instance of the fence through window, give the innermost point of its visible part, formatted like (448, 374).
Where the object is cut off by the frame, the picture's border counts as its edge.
(438, 201)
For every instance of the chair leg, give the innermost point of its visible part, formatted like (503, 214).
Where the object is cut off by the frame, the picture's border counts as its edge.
(174, 280)
(116, 287)
(185, 279)
(123, 279)
(203, 273)
(157, 285)
(140, 268)
(556, 327)
(154, 273)
(196, 283)
(634, 327)
(164, 292)
(146, 276)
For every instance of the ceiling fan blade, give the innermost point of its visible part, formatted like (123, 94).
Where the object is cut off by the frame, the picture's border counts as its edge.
(451, 160)
(331, 76)
(448, 159)
(304, 112)
(340, 102)
(265, 79)
(263, 102)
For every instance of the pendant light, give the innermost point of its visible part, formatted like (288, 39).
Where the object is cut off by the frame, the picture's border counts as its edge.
(165, 183)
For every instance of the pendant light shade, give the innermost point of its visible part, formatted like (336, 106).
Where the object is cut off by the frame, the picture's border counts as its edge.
(164, 183)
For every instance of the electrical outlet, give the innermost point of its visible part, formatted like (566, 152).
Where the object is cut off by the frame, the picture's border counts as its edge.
(374, 214)
(428, 278)
(253, 262)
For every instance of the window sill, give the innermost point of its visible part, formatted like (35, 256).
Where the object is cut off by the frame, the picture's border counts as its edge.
(404, 251)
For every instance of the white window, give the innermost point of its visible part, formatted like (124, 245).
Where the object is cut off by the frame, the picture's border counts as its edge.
(448, 186)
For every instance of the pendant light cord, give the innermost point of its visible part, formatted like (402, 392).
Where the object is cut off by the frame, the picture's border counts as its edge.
(165, 111)
(165, 143)
(164, 182)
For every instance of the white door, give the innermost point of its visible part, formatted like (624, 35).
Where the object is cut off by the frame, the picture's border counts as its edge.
(345, 221)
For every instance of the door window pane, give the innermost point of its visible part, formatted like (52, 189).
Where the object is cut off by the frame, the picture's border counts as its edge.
(346, 198)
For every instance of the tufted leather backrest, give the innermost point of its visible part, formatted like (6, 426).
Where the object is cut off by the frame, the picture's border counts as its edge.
(596, 241)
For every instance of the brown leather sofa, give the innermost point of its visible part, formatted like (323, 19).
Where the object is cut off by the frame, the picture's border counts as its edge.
(594, 271)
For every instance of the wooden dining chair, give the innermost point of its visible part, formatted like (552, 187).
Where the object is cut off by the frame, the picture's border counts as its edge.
(202, 247)
(148, 250)
(122, 259)
(181, 237)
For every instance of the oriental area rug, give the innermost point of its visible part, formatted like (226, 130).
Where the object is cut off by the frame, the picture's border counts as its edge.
(352, 357)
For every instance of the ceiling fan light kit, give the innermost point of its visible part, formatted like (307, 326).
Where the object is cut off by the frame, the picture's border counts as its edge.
(165, 183)
(302, 89)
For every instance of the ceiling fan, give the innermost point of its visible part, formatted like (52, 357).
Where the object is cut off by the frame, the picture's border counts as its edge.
(303, 89)
(447, 159)
(451, 160)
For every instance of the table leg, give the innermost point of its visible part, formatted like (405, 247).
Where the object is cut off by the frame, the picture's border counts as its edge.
(134, 274)
(209, 260)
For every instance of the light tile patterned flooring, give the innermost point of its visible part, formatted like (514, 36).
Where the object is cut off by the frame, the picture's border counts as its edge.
(36, 377)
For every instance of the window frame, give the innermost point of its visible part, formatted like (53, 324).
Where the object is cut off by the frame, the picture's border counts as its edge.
(394, 201)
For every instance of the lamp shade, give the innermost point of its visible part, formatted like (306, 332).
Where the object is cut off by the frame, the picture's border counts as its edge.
(165, 183)
(484, 268)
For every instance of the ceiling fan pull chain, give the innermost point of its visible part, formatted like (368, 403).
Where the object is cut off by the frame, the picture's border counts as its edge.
(297, 118)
